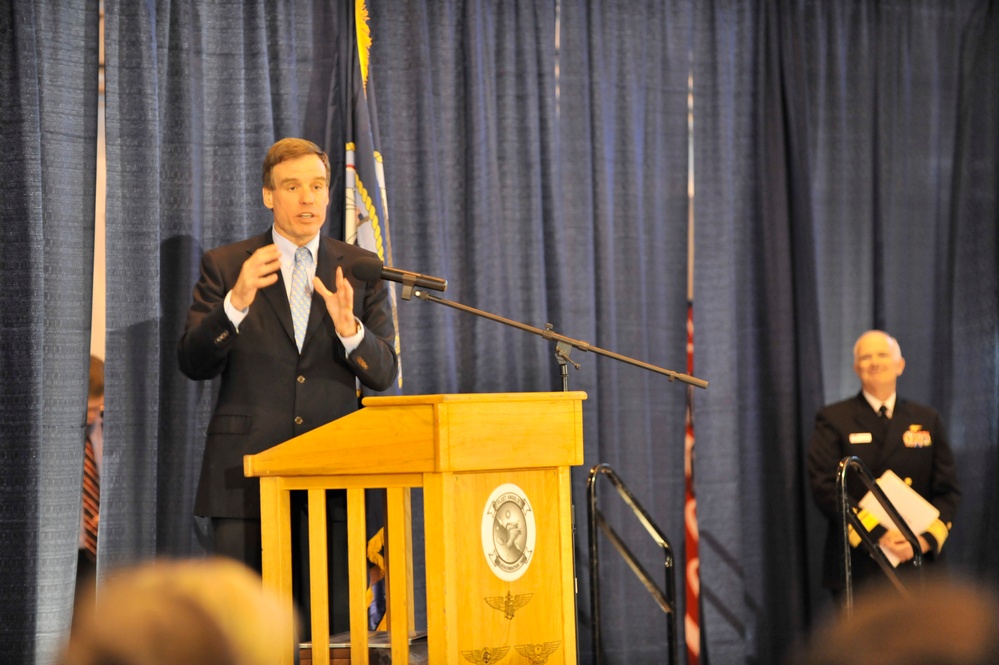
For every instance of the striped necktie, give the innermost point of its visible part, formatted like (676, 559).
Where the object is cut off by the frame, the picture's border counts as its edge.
(301, 294)
(91, 498)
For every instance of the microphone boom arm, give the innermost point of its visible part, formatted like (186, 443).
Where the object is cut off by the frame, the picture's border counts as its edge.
(561, 340)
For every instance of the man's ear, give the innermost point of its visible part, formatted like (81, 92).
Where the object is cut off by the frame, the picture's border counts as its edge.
(268, 194)
(901, 366)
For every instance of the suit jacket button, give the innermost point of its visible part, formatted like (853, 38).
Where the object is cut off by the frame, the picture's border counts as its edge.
(301, 379)
(298, 420)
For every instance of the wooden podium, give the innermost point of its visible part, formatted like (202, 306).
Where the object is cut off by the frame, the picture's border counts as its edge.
(494, 469)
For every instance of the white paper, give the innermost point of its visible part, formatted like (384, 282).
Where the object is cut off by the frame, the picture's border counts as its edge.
(917, 512)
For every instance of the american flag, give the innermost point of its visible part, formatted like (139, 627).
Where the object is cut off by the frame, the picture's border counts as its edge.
(691, 619)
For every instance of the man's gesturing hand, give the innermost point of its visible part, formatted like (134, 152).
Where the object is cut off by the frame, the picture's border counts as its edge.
(259, 271)
(340, 305)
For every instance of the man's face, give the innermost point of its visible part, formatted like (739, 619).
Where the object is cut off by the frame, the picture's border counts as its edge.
(878, 362)
(299, 197)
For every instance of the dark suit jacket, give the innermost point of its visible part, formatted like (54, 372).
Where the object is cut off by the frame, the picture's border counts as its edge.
(269, 392)
(930, 468)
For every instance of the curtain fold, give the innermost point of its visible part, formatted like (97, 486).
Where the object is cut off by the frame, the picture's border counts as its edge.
(465, 99)
(619, 253)
(963, 352)
(48, 111)
(744, 407)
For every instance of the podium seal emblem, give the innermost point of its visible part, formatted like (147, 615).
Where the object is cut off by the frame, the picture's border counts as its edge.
(508, 532)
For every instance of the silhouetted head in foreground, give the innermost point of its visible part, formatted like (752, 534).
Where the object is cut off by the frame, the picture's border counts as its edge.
(945, 622)
(206, 611)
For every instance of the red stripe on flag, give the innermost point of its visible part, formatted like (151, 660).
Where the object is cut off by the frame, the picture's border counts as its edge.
(692, 618)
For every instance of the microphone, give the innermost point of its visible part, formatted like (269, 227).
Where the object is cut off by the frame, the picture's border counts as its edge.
(371, 269)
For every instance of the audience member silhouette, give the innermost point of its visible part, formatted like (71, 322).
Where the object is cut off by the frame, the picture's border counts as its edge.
(942, 622)
(196, 612)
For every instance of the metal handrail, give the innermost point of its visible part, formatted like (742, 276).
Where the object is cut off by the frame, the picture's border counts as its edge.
(666, 599)
(849, 518)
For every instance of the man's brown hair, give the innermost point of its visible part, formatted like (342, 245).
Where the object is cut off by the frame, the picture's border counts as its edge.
(290, 148)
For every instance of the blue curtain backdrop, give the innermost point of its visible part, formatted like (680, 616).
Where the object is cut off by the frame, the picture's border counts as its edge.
(48, 139)
(623, 161)
(845, 170)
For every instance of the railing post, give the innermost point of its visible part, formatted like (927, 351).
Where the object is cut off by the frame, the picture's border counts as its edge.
(848, 518)
(665, 599)
(591, 512)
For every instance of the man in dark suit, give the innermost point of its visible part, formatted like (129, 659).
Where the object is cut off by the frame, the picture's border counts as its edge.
(282, 377)
(885, 432)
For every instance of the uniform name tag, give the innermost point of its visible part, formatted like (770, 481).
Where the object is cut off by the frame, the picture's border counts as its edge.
(861, 437)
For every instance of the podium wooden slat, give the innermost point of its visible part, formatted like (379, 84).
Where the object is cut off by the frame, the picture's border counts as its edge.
(399, 587)
(319, 587)
(439, 535)
(462, 450)
(357, 566)
(275, 536)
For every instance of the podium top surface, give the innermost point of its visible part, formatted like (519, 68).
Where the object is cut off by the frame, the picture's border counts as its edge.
(472, 397)
(410, 434)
